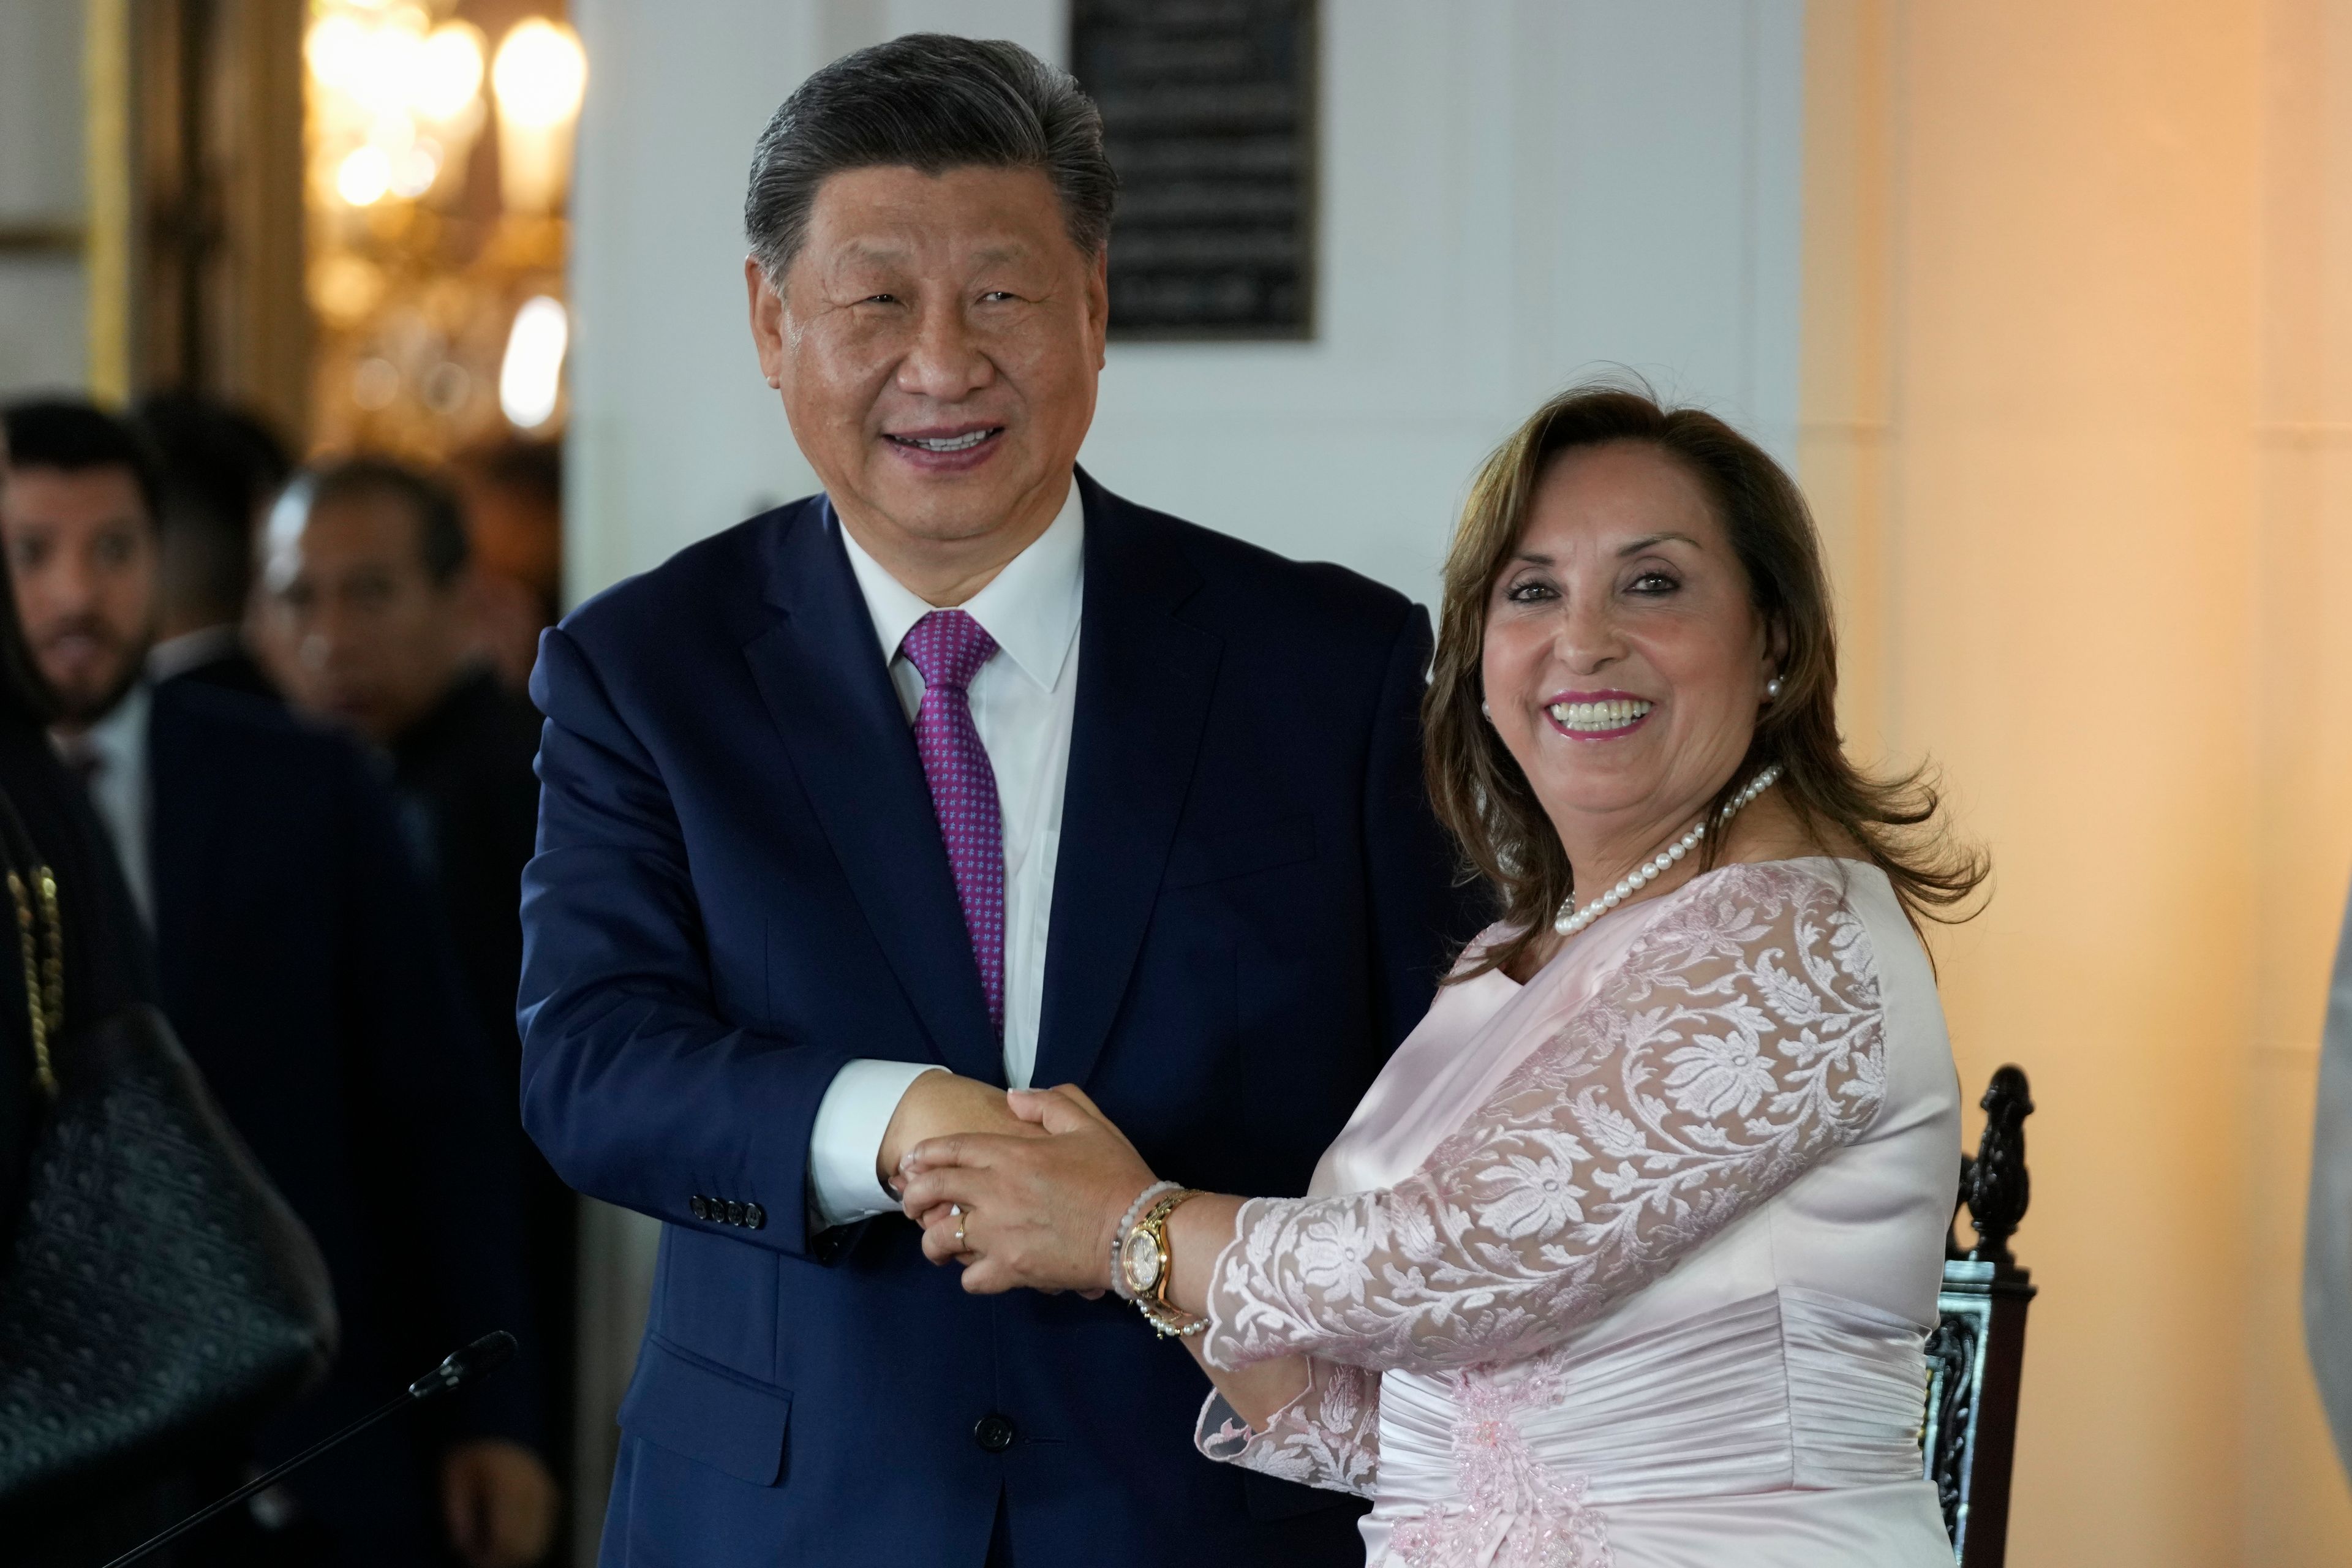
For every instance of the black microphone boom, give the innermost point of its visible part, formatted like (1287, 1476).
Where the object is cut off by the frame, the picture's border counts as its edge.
(456, 1370)
(459, 1368)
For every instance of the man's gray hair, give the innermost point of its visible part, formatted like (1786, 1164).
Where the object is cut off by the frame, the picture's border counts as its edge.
(932, 103)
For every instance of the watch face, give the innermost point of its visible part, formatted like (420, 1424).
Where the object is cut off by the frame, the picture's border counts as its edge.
(1140, 1260)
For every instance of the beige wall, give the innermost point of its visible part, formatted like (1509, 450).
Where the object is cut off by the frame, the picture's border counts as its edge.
(2077, 413)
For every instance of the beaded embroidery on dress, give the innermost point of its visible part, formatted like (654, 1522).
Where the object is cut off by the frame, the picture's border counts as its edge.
(1521, 1514)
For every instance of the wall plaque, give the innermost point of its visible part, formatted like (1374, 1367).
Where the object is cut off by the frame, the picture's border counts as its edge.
(1208, 111)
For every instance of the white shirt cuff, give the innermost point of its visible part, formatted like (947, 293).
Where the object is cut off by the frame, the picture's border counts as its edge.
(851, 1120)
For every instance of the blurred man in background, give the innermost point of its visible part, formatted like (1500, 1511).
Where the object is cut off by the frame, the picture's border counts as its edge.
(308, 975)
(220, 470)
(367, 612)
(513, 499)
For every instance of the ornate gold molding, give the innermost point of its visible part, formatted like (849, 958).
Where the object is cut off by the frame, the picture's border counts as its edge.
(106, 235)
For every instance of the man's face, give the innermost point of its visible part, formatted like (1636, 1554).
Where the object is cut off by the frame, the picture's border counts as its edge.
(357, 628)
(81, 551)
(936, 340)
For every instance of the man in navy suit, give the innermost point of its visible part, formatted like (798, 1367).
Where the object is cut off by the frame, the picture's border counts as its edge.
(306, 969)
(966, 773)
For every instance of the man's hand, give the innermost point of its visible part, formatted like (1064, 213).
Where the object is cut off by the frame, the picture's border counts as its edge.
(1039, 1213)
(938, 1105)
(499, 1503)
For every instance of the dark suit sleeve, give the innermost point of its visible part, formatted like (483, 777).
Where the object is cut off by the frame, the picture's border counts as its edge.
(638, 1092)
(441, 1122)
(1422, 912)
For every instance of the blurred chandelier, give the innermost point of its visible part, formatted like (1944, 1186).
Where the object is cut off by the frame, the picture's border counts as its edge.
(432, 282)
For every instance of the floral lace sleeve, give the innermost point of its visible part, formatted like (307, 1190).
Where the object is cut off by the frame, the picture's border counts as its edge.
(1736, 1045)
(1329, 1436)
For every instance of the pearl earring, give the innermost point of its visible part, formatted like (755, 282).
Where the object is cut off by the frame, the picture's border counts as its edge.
(1485, 712)
(776, 381)
(1773, 688)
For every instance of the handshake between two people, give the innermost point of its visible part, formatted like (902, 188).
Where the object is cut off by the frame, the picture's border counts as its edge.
(1026, 1188)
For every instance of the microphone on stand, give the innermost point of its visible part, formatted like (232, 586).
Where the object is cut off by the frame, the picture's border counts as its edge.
(456, 1370)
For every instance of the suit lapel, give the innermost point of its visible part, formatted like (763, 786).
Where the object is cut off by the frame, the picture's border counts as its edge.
(1145, 680)
(829, 692)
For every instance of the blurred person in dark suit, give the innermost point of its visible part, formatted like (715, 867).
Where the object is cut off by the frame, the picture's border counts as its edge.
(107, 966)
(307, 973)
(220, 467)
(513, 497)
(366, 613)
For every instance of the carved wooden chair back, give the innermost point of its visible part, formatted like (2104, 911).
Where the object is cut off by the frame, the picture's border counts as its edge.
(1977, 1354)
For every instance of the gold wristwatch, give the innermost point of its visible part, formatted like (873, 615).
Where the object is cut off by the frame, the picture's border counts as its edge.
(1143, 1262)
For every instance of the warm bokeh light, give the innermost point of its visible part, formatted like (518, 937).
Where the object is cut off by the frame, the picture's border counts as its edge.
(413, 172)
(364, 177)
(336, 52)
(435, 275)
(538, 77)
(380, 78)
(449, 71)
(532, 378)
(377, 63)
(540, 74)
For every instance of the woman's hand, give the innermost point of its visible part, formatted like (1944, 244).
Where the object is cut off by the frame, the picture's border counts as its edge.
(1034, 1211)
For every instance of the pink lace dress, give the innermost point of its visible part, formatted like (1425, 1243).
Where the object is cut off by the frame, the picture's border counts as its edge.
(1633, 1265)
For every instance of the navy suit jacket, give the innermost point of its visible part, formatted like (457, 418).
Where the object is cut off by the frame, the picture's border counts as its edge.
(305, 968)
(741, 886)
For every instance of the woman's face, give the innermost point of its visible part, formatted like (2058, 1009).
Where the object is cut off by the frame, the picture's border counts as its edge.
(1625, 661)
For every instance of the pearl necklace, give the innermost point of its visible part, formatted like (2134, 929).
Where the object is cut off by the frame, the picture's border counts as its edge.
(1571, 920)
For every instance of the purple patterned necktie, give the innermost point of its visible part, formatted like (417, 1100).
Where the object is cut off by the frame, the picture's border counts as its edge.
(947, 647)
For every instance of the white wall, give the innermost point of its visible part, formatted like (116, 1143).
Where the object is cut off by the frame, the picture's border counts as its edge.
(1513, 195)
(44, 338)
(1514, 192)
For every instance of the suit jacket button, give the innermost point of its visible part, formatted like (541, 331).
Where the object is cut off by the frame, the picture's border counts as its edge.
(993, 1433)
(699, 1206)
(734, 1212)
(754, 1216)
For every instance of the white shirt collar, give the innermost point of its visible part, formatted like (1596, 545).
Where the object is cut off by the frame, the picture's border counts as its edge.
(119, 788)
(175, 655)
(120, 739)
(1031, 607)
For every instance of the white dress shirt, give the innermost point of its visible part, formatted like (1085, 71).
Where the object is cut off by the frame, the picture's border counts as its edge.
(117, 745)
(1023, 703)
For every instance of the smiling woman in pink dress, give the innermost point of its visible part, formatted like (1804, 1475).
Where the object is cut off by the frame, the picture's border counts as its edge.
(1629, 1255)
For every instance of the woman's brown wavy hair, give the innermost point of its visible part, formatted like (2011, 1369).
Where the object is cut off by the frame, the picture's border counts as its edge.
(1478, 788)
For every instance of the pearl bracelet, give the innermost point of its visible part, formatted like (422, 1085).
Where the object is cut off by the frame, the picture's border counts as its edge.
(1118, 1236)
